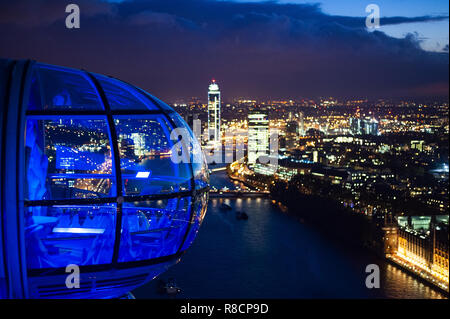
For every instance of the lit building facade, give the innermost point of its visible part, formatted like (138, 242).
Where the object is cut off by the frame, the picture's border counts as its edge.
(301, 124)
(139, 143)
(424, 241)
(258, 135)
(360, 126)
(390, 239)
(87, 179)
(214, 112)
(285, 169)
(440, 253)
(292, 132)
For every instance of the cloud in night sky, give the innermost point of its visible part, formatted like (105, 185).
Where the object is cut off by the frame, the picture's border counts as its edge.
(172, 48)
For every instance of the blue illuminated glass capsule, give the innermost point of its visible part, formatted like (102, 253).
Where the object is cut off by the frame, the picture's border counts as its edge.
(88, 179)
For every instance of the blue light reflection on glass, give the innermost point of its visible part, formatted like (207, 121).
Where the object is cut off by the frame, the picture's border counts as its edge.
(68, 158)
(57, 236)
(197, 157)
(199, 214)
(122, 96)
(145, 146)
(65, 89)
(153, 229)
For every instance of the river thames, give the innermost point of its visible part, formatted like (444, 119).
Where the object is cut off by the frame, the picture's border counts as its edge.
(273, 255)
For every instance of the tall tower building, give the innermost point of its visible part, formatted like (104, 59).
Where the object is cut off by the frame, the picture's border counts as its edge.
(213, 112)
(258, 135)
(360, 126)
(292, 132)
(301, 124)
(139, 144)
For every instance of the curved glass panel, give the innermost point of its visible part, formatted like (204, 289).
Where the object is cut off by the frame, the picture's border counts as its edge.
(146, 160)
(70, 158)
(35, 100)
(121, 96)
(63, 89)
(165, 107)
(67, 158)
(153, 229)
(200, 206)
(57, 236)
(197, 157)
(201, 172)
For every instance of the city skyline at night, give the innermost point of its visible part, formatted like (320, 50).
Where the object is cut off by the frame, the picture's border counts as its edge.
(301, 152)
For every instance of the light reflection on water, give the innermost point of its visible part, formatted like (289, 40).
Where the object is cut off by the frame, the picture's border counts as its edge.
(272, 255)
(399, 284)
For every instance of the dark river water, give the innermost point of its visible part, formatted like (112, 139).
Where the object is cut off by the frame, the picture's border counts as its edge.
(273, 255)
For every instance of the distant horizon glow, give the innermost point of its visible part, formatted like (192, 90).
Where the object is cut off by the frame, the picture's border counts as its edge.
(258, 49)
(434, 35)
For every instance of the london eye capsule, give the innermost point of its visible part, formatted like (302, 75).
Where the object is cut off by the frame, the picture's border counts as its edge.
(93, 202)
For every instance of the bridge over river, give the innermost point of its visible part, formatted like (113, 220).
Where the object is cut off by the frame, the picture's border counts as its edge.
(238, 194)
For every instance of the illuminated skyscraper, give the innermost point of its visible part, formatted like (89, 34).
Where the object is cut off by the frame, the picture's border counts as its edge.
(360, 126)
(301, 124)
(213, 112)
(258, 135)
(139, 144)
(292, 132)
(371, 127)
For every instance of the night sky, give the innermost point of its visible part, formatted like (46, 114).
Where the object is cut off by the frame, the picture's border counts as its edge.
(172, 48)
